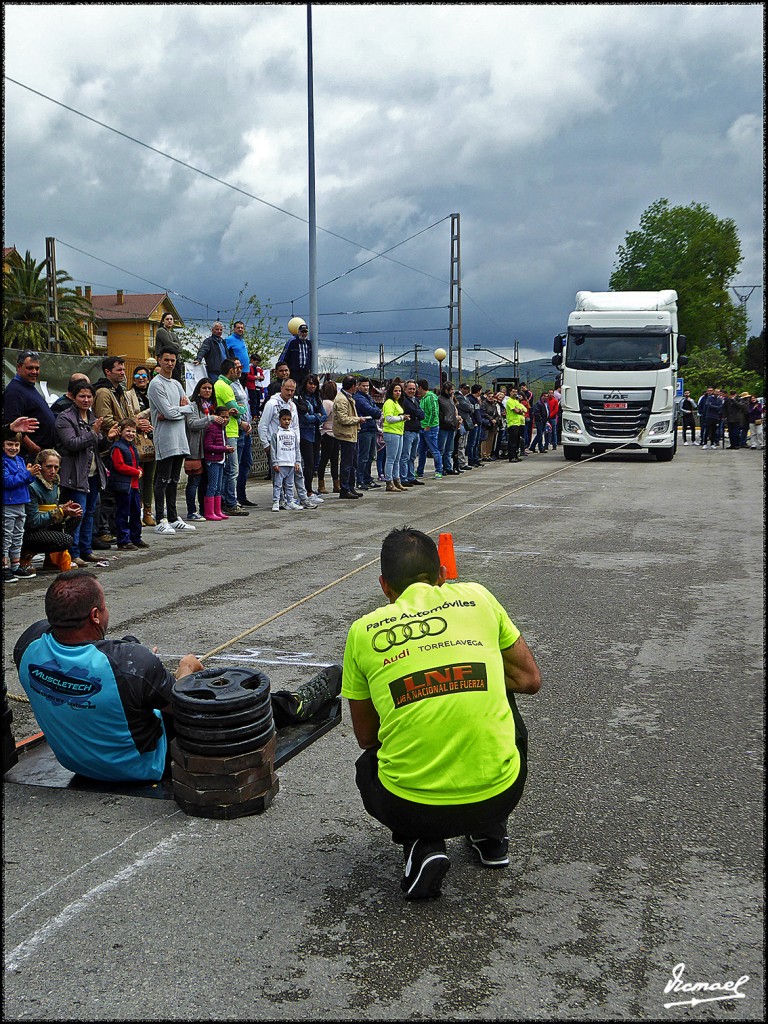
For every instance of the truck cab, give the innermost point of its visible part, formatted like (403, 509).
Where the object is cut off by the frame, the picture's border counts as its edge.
(619, 360)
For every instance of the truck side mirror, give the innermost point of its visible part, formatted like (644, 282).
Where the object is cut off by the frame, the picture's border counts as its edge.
(682, 343)
(682, 360)
(557, 360)
(558, 343)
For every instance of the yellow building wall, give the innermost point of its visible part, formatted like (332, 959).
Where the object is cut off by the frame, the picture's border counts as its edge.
(131, 340)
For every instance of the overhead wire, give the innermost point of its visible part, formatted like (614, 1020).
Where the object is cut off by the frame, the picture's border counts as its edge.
(219, 181)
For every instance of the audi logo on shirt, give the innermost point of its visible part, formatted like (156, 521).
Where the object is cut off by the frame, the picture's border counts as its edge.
(401, 633)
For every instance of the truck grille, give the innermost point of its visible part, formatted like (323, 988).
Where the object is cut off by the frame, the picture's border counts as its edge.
(613, 423)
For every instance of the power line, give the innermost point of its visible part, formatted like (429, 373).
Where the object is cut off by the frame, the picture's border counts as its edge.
(219, 181)
(206, 305)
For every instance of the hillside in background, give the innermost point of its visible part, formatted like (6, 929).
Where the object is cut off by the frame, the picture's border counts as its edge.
(536, 372)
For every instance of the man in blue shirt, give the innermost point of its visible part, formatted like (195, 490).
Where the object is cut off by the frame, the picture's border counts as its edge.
(237, 349)
(98, 701)
(21, 398)
(366, 439)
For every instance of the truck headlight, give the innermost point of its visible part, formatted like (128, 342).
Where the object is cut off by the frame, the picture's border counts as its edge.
(571, 426)
(659, 428)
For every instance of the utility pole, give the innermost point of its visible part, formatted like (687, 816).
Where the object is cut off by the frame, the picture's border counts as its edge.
(454, 305)
(516, 361)
(381, 364)
(314, 324)
(52, 298)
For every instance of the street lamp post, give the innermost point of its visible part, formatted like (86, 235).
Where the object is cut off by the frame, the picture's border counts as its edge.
(440, 355)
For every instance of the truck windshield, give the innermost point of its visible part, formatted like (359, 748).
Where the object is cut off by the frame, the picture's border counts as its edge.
(617, 351)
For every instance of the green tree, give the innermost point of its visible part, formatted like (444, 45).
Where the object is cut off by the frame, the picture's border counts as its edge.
(25, 309)
(753, 354)
(691, 250)
(712, 367)
(261, 334)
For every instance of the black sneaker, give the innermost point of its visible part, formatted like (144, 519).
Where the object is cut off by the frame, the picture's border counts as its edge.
(317, 691)
(100, 545)
(493, 853)
(24, 572)
(246, 503)
(426, 864)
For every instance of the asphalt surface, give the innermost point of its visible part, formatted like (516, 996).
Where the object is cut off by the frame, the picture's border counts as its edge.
(638, 845)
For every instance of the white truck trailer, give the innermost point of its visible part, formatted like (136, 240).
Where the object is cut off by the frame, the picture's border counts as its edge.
(619, 361)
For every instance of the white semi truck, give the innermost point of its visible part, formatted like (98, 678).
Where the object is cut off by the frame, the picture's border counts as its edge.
(619, 361)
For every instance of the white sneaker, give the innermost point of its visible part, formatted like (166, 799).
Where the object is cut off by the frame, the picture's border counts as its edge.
(181, 527)
(685, 444)
(283, 505)
(164, 527)
(295, 507)
(275, 506)
(317, 500)
(309, 505)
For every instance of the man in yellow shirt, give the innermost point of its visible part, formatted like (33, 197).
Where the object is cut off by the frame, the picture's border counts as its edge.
(515, 411)
(430, 682)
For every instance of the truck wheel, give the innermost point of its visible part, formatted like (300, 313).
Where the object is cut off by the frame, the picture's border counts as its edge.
(571, 453)
(664, 454)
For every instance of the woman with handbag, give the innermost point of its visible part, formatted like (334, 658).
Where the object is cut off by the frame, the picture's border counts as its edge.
(139, 403)
(203, 405)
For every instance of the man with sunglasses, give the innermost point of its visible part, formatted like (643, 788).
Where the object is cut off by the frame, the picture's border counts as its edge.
(22, 398)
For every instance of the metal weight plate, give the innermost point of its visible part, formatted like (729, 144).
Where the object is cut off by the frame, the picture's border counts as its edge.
(215, 690)
(225, 749)
(219, 735)
(224, 719)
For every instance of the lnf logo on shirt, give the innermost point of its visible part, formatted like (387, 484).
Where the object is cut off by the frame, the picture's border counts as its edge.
(60, 688)
(439, 682)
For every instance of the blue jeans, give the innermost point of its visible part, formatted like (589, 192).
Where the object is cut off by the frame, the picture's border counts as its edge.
(408, 455)
(538, 441)
(244, 463)
(128, 516)
(215, 485)
(394, 446)
(82, 538)
(473, 446)
(445, 444)
(230, 475)
(553, 424)
(428, 440)
(366, 449)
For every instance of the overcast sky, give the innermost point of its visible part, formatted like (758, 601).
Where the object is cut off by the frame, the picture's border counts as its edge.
(549, 129)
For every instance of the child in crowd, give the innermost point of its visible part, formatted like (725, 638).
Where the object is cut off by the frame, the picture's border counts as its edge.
(285, 462)
(215, 451)
(16, 477)
(125, 480)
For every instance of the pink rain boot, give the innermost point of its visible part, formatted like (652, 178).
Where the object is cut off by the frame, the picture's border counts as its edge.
(217, 508)
(208, 511)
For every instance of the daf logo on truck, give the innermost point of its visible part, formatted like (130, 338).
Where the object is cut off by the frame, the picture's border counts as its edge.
(619, 360)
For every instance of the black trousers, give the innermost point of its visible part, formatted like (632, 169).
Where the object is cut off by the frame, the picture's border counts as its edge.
(408, 820)
(689, 424)
(348, 464)
(513, 443)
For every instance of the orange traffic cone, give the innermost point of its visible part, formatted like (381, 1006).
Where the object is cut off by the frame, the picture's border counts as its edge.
(447, 557)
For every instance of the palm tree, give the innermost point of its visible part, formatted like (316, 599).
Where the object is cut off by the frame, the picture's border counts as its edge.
(25, 309)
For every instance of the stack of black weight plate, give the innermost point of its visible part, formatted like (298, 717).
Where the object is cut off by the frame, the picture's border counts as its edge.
(224, 750)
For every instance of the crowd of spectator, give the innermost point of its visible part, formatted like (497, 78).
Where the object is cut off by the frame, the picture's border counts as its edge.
(103, 463)
(723, 414)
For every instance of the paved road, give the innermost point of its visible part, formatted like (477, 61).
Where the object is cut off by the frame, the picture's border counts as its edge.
(637, 847)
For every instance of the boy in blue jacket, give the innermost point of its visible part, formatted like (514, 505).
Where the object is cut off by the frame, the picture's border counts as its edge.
(16, 477)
